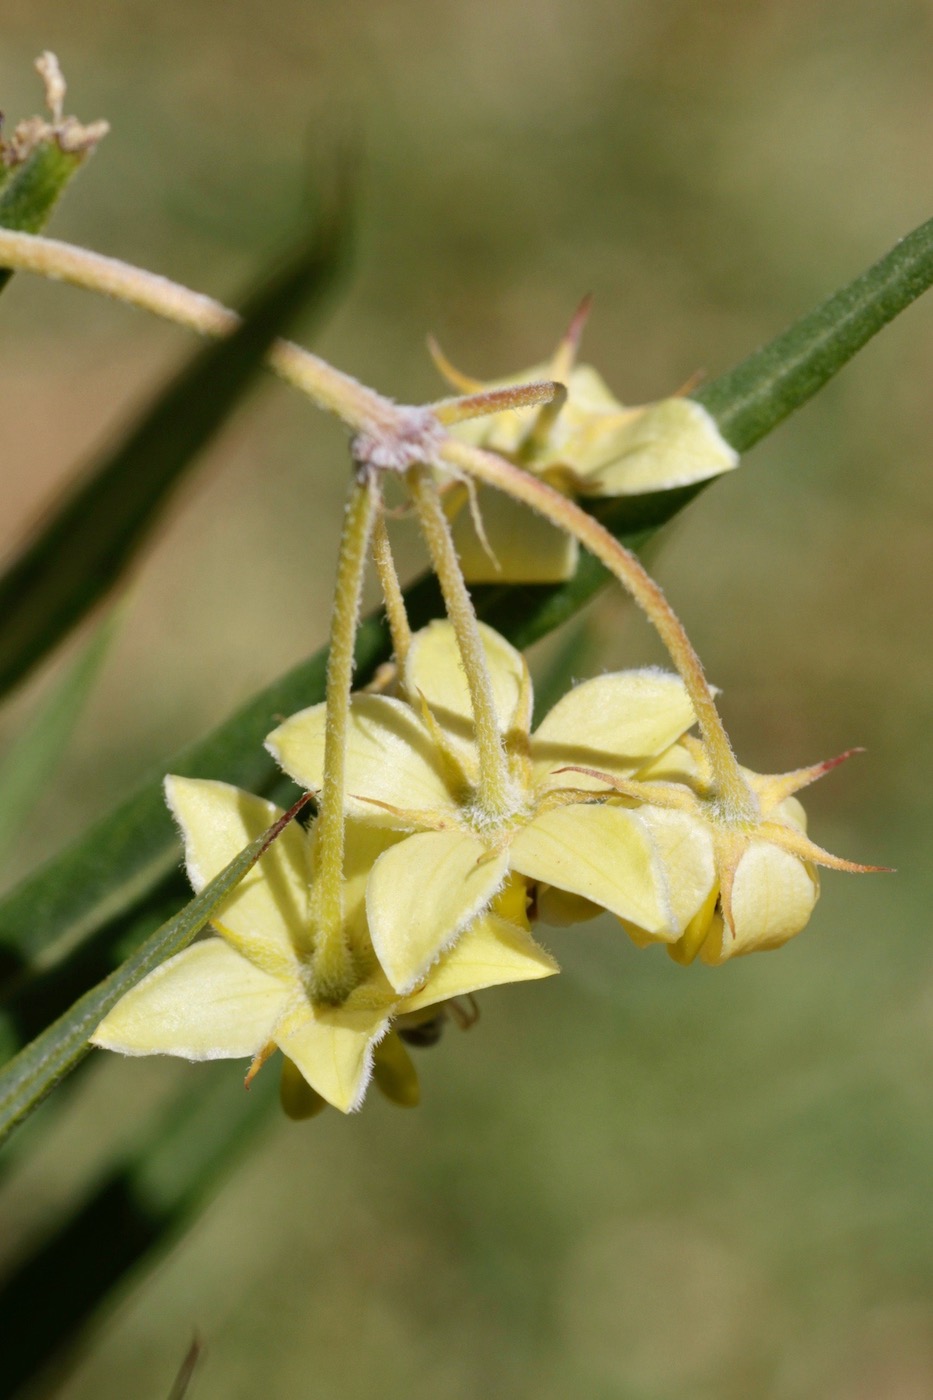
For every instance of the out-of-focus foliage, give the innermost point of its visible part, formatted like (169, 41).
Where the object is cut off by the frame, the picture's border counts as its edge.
(635, 1180)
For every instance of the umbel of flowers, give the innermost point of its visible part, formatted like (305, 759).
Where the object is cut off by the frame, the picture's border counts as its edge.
(445, 827)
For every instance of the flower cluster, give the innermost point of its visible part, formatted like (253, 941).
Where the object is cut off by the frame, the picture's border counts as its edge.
(446, 825)
(584, 444)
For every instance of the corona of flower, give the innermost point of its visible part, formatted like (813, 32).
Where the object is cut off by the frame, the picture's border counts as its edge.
(245, 993)
(412, 768)
(585, 444)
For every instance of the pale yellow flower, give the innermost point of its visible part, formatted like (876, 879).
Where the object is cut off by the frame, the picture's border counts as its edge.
(413, 767)
(246, 992)
(591, 446)
(766, 883)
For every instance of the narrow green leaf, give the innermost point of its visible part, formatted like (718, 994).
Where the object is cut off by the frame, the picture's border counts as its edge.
(30, 763)
(85, 544)
(750, 400)
(133, 1214)
(35, 1071)
(121, 859)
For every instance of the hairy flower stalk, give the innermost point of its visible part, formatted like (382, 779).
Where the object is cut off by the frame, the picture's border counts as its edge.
(731, 791)
(396, 613)
(495, 796)
(332, 967)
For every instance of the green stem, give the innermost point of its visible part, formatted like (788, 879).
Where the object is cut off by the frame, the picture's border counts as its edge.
(333, 956)
(751, 399)
(494, 794)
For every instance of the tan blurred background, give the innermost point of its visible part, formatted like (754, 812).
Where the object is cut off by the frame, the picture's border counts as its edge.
(636, 1181)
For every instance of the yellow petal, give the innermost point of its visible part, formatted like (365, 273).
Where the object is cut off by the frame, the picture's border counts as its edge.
(363, 846)
(604, 854)
(391, 757)
(686, 850)
(395, 1074)
(526, 547)
(206, 1003)
(560, 909)
(333, 1048)
(667, 444)
(422, 893)
(488, 953)
(616, 723)
(773, 896)
(299, 1101)
(435, 670)
(266, 916)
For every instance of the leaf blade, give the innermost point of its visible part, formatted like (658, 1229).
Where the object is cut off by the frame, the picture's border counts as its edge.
(32, 1074)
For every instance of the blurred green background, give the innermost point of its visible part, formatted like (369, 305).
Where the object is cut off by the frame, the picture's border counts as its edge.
(634, 1181)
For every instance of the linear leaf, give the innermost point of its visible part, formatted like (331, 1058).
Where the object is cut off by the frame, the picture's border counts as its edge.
(85, 544)
(136, 1211)
(750, 400)
(33, 757)
(33, 1073)
(122, 858)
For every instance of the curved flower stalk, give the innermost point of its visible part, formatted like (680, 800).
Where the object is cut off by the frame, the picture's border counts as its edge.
(585, 443)
(248, 990)
(413, 767)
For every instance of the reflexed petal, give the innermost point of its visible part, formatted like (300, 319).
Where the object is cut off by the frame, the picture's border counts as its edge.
(603, 853)
(266, 916)
(772, 899)
(390, 757)
(490, 952)
(299, 1101)
(422, 893)
(395, 1074)
(364, 845)
(667, 444)
(686, 852)
(434, 669)
(206, 1003)
(333, 1048)
(526, 547)
(561, 910)
(615, 723)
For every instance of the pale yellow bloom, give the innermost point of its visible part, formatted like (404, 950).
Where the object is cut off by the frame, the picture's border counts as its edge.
(766, 884)
(412, 766)
(592, 447)
(246, 991)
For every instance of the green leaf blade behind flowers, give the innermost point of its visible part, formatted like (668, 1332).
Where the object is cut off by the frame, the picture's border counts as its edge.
(117, 864)
(86, 543)
(749, 401)
(139, 1208)
(29, 763)
(33, 1073)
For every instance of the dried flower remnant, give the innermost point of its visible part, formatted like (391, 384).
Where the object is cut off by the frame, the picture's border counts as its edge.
(70, 135)
(247, 991)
